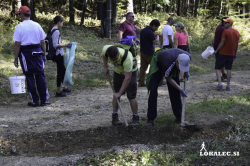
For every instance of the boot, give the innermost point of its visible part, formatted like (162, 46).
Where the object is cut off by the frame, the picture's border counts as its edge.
(135, 121)
(115, 120)
(150, 123)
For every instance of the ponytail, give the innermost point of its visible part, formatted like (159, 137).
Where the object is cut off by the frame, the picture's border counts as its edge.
(183, 29)
(54, 22)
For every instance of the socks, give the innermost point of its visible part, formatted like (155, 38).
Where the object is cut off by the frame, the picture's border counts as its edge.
(115, 112)
(135, 113)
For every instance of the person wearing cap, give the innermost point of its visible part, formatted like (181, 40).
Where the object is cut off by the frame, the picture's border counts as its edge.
(181, 41)
(29, 38)
(227, 52)
(148, 41)
(167, 38)
(167, 63)
(217, 38)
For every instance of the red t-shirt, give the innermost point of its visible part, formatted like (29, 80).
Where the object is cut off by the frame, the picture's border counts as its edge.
(231, 40)
(182, 38)
(128, 30)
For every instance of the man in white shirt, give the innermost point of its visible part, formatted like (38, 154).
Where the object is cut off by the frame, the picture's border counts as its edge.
(29, 37)
(167, 38)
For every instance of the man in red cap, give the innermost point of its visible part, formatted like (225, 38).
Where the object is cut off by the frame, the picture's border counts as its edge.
(29, 38)
(228, 49)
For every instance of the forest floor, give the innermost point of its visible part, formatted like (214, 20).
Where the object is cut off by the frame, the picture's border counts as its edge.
(79, 126)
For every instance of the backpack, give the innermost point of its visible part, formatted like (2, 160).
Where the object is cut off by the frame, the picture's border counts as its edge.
(50, 50)
(127, 44)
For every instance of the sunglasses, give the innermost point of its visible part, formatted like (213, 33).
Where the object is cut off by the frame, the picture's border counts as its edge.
(132, 16)
(226, 22)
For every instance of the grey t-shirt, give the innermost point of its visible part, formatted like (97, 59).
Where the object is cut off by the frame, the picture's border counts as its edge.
(55, 37)
(166, 60)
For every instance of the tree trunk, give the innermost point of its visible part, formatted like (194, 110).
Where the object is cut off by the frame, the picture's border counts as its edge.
(145, 8)
(83, 12)
(140, 5)
(71, 12)
(114, 12)
(219, 7)
(135, 6)
(130, 6)
(108, 19)
(196, 8)
(178, 7)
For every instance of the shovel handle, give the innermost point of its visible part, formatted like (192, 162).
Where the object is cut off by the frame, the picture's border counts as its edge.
(123, 116)
(183, 104)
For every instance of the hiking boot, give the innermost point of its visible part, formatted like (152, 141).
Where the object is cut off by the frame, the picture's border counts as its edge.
(45, 103)
(219, 87)
(61, 94)
(135, 121)
(228, 88)
(33, 104)
(150, 123)
(115, 120)
(67, 90)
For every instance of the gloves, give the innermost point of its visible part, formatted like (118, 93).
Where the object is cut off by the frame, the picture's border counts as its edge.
(44, 58)
(16, 62)
(69, 45)
(186, 75)
(158, 34)
(183, 93)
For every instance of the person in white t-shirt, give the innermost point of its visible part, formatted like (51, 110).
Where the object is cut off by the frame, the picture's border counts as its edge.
(167, 37)
(29, 38)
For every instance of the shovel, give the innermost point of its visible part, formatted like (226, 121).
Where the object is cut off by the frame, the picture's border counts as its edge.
(126, 123)
(183, 123)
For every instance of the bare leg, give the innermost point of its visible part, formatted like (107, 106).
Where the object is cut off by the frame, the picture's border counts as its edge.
(218, 75)
(133, 105)
(223, 70)
(58, 90)
(228, 76)
(181, 74)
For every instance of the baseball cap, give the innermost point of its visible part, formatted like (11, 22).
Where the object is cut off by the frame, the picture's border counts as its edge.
(23, 9)
(184, 61)
(230, 20)
(179, 24)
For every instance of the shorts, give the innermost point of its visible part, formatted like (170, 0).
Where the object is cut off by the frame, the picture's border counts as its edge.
(224, 60)
(132, 87)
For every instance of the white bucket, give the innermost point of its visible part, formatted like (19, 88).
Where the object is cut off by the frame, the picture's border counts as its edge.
(139, 66)
(209, 51)
(17, 84)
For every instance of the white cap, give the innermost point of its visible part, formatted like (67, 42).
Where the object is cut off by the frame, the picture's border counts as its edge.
(184, 61)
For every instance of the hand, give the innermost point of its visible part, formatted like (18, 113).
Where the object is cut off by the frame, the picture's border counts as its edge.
(158, 34)
(213, 54)
(44, 58)
(16, 62)
(183, 93)
(117, 95)
(105, 71)
(186, 75)
(69, 45)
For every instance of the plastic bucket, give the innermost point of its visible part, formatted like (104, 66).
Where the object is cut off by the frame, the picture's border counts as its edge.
(139, 66)
(17, 84)
(209, 51)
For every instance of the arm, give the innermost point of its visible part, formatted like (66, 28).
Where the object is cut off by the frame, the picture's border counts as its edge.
(17, 48)
(156, 41)
(170, 40)
(236, 47)
(105, 65)
(188, 44)
(175, 43)
(119, 35)
(173, 83)
(161, 39)
(222, 42)
(125, 84)
(43, 45)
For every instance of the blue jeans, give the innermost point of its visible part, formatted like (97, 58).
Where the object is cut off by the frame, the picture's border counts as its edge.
(174, 95)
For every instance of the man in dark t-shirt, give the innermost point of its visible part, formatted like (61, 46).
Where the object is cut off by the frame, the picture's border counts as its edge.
(127, 28)
(148, 41)
(167, 63)
(217, 38)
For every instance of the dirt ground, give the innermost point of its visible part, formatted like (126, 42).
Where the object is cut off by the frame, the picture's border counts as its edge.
(79, 125)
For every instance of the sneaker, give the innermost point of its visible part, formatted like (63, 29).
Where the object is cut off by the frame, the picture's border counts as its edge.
(45, 103)
(135, 121)
(141, 85)
(33, 104)
(228, 88)
(150, 123)
(67, 90)
(115, 120)
(61, 94)
(219, 87)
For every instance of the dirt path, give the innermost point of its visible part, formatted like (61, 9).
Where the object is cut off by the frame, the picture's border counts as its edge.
(82, 113)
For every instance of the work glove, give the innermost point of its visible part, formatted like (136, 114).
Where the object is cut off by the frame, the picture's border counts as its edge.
(186, 75)
(16, 62)
(183, 93)
(69, 45)
(44, 58)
